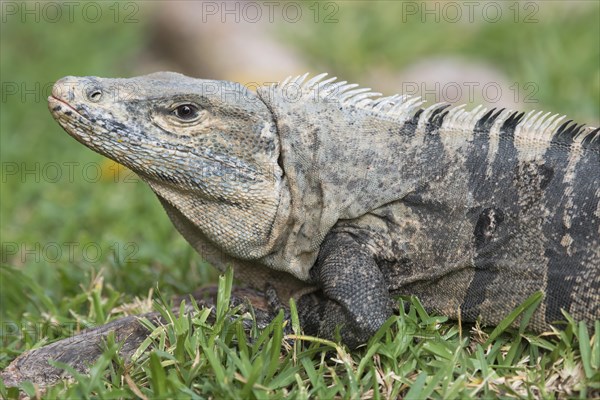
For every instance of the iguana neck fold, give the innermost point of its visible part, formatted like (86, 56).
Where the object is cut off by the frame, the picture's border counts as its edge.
(325, 169)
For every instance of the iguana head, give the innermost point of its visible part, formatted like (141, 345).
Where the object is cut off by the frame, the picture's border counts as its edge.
(208, 148)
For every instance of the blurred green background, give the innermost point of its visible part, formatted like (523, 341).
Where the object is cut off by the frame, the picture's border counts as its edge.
(65, 215)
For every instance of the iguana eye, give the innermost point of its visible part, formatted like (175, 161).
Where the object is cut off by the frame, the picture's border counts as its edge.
(186, 112)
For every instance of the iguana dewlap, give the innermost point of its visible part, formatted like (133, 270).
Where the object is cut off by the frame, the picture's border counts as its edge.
(344, 199)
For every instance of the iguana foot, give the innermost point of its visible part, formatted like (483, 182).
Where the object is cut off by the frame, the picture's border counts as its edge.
(353, 299)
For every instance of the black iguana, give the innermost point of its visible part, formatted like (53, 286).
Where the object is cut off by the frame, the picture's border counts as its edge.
(342, 199)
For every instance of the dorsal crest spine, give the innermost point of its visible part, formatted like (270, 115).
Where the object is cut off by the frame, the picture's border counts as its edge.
(405, 109)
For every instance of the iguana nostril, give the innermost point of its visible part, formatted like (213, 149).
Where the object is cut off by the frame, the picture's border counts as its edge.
(94, 95)
(64, 89)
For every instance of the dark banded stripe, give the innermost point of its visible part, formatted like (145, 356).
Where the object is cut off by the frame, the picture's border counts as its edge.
(410, 126)
(566, 263)
(436, 119)
(494, 196)
(433, 148)
(485, 123)
(559, 283)
(559, 275)
(592, 139)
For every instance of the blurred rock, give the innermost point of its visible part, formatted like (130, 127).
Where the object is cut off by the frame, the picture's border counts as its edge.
(197, 40)
(452, 80)
(187, 37)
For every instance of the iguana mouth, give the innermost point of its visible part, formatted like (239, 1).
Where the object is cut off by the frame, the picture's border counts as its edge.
(56, 108)
(54, 98)
(73, 121)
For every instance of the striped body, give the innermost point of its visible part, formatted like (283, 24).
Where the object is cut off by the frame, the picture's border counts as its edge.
(492, 221)
(470, 211)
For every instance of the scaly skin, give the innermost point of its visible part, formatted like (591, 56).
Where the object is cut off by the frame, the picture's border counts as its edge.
(343, 201)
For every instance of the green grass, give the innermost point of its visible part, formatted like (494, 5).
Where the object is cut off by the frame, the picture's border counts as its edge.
(415, 355)
(45, 297)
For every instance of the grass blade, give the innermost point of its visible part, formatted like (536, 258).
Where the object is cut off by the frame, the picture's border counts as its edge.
(531, 303)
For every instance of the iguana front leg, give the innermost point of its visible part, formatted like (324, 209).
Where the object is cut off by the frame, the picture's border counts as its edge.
(353, 293)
